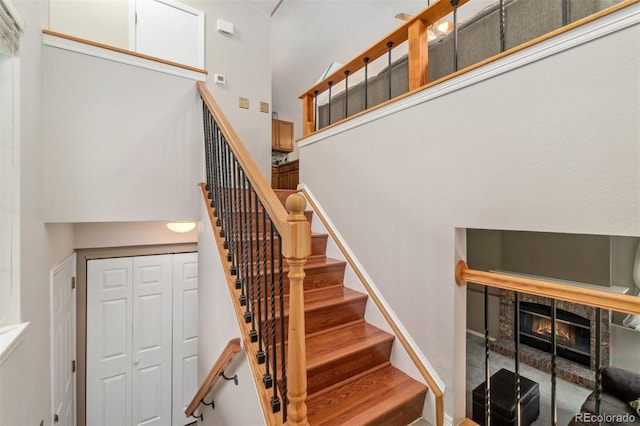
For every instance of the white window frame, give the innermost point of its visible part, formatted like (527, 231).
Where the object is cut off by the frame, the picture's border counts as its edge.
(11, 330)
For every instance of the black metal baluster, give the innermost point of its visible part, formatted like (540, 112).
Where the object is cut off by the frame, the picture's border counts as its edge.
(598, 362)
(502, 27)
(260, 354)
(565, 12)
(237, 236)
(389, 47)
(330, 84)
(275, 401)
(215, 166)
(315, 110)
(454, 4)
(225, 201)
(517, 359)
(253, 334)
(234, 221)
(554, 353)
(207, 149)
(242, 242)
(366, 82)
(487, 372)
(346, 94)
(267, 379)
(218, 174)
(282, 338)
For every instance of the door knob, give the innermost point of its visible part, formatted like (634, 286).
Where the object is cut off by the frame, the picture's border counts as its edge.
(136, 362)
(55, 418)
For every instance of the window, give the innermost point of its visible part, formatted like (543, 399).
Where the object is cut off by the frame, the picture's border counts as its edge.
(11, 25)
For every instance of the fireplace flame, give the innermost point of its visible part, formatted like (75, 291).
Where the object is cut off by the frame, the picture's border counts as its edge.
(544, 328)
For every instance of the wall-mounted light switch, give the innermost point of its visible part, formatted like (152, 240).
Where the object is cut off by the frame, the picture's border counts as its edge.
(244, 103)
(264, 107)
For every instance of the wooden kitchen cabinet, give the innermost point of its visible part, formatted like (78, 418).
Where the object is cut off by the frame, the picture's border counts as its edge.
(281, 135)
(285, 176)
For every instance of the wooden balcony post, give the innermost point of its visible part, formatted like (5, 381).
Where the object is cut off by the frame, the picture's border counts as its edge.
(308, 113)
(299, 248)
(418, 55)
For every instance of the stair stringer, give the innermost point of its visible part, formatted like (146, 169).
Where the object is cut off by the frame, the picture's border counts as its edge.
(337, 248)
(217, 324)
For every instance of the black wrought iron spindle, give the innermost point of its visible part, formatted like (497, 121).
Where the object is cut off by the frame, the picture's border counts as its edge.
(315, 110)
(267, 378)
(516, 332)
(565, 12)
(389, 47)
(207, 149)
(238, 234)
(242, 243)
(275, 401)
(261, 356)
(225, 200)
(598, 362)
(218, 175)
(454, 4)
(502, 27)
(346, 94)
(215, 201)
(487, 370)
(282, 346)
(233, 222)
(554, 353)
(366, 82)
(253, 334)
(330, 84)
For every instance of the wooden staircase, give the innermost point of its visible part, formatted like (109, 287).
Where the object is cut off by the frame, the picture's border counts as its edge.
(350, 379)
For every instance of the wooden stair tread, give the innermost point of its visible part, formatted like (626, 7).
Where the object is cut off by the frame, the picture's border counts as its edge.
(368, 398)
(322, 297)
(340, 342)
(313, 262)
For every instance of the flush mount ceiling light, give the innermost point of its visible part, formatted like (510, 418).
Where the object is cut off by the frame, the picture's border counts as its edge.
(181, 226)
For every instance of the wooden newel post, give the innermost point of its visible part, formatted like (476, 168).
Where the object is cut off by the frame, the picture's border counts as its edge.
(296, 252)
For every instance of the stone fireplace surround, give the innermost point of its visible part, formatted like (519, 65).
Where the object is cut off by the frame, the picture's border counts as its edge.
(541, 360)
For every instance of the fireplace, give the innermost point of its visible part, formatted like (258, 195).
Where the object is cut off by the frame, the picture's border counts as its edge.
(573, 332)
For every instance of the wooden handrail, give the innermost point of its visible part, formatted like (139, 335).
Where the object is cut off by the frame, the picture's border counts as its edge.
(269, 200)
(569, 293)
(414, 30)
(226, 358)
(125, 51)
(308, 119)
(433, 385)
(429, 15)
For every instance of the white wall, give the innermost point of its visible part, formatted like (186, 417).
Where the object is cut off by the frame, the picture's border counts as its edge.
(235, 405)
(551, 146)
(119, 234)
(104, 21)
(122, 143)
(25, 376)
(244, 58)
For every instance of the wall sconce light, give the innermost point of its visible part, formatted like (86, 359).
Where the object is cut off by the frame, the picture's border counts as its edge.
(181, 226)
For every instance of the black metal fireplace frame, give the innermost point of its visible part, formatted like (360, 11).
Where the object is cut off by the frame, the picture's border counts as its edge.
(582, 326)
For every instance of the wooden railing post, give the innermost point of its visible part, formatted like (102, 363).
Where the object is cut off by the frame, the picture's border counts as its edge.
(418, 54)
(296, 252)
(308, 115)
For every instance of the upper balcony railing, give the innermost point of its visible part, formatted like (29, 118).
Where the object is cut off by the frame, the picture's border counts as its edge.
(493, 33)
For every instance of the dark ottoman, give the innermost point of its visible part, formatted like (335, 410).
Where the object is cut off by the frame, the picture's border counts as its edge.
(503, 400)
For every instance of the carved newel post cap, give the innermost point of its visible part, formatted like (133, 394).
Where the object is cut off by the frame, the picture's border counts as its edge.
(295, 205)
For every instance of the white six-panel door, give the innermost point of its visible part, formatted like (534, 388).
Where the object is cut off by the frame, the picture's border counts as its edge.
(141, 313)
(185, 334)
(63, 342)
(109, 341)
(152, 331)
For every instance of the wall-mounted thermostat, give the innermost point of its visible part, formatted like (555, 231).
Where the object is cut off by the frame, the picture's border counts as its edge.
(219, 79)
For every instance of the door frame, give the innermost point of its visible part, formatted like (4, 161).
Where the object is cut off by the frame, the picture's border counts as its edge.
(82, 256)
(71, 259)
(180, 6)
